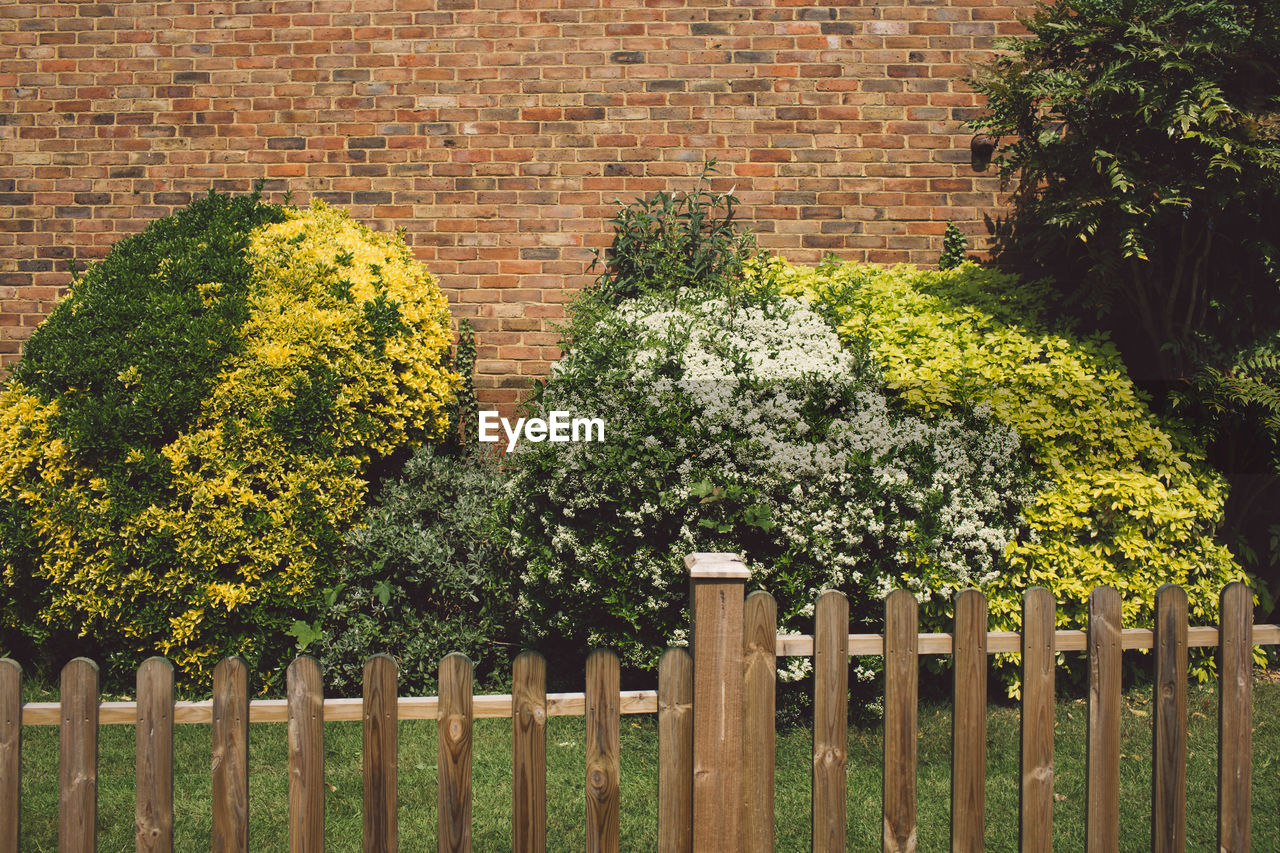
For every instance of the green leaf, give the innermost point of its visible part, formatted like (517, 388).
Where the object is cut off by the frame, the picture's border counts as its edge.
(305, 633)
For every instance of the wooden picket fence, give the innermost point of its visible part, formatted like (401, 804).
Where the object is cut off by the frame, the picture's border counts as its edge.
(716, 729)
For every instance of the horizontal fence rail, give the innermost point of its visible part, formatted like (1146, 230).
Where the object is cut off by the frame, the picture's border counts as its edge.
(490, 706)
(716, 730)
(498, 706)
(1006, 642)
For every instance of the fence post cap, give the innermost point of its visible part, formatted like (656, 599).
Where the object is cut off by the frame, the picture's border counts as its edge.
(716, 566)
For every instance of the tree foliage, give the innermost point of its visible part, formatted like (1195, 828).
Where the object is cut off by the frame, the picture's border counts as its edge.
(1146, 138)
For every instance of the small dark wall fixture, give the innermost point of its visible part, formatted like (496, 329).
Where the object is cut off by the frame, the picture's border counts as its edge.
(981, 149)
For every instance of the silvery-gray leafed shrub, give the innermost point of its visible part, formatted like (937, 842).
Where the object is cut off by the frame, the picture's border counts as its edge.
(744, 426)
(425, 575)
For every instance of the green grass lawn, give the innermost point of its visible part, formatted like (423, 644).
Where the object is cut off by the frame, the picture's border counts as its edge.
(268, 782)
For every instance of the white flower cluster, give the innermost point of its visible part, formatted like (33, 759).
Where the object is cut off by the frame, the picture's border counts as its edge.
(747, 428)
(785, 340)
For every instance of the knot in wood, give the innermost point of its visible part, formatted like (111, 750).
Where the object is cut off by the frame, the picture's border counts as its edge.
(1043, 773)
(828, 756)
(455, 727)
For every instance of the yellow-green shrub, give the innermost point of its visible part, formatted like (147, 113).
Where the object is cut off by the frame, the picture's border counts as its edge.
(1124, 503)
(210, 536)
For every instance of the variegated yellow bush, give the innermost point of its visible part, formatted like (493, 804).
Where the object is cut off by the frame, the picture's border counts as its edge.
(1123, 503)
(208, 534)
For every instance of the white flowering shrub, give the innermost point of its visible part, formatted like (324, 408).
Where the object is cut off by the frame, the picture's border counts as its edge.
(742, 425)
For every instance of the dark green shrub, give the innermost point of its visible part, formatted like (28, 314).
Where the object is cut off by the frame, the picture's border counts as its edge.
(1145, 136)
(672, 241)
(954, 247)
(142, 307)
(426, 574)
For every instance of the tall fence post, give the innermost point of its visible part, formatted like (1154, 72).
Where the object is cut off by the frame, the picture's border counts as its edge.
(601, 709)
(529, 754)
(305, 689)
(453, 754)
(717, 590)
(830, 722)
(1039, 618)
(901, 720)
(1102, 788)
(1169, 724)
(969, 723)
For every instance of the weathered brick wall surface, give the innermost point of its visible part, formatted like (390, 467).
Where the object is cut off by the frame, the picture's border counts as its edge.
(497, 133)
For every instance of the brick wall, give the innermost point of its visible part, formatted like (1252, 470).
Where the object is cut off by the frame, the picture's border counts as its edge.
(497, 133)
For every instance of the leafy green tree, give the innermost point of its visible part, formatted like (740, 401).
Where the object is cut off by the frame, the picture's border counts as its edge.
(1145, 135)
(1146, 138)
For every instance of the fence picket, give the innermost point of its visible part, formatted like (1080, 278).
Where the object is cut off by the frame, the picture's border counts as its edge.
(10, 753)
(154, 794)
(717, 587)
(1102, 814)
(529, 753)
(1235, 717)
(1169, 728)
(901, 689)
(78, 758)
(760, 665)
(1038, 665)
(231, 757)
(675, 752)
(969, 723)
(830, 720)
(381, 740)
(453, 759)
(305, 691)
(603, 760)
